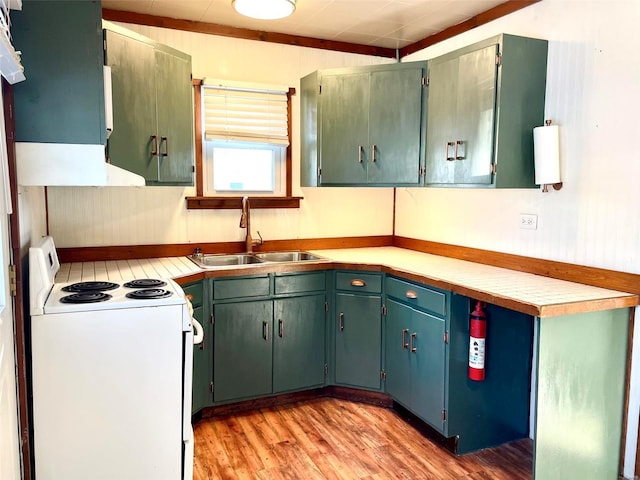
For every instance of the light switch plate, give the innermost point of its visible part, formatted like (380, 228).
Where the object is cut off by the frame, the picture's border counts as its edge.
(529, 221)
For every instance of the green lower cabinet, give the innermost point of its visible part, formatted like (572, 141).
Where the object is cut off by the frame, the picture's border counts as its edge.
(298, 343)
(358, 340)
(414, 361)
(242, 352)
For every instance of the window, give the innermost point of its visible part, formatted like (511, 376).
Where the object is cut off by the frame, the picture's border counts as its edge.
(244, 132)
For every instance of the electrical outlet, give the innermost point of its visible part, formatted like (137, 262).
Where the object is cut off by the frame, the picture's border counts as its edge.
(528, 221)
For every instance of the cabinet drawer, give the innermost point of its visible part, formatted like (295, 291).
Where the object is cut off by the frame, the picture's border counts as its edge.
(240, 287)
(193, 292)
(359, 282)
(418, 296)
(294, 283)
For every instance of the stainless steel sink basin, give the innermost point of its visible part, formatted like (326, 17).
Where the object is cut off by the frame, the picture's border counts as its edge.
(287, 256)
(214, 261)
(222, 260)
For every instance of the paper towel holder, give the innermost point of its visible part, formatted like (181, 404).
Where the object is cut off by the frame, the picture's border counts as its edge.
(556, 186)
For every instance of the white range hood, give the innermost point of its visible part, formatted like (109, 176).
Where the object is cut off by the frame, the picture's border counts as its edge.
(59, 164)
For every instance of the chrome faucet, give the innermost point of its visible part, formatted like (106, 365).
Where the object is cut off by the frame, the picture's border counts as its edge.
(245, 222)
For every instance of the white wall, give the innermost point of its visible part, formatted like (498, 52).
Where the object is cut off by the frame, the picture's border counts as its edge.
(593, 83)
(86, 216)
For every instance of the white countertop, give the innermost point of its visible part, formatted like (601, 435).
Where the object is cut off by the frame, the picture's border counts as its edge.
(529, 293)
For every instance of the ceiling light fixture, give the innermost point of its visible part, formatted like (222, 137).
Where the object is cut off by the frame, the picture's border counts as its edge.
(264, 9)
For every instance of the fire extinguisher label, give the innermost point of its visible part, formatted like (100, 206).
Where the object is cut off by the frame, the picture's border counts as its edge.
(476, 352)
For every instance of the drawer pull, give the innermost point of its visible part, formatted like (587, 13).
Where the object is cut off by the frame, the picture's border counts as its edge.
(404, 338)
(265, 331)
(411, 294)
(341, 321)
(358, 283)
(280, 328)
(412, 338)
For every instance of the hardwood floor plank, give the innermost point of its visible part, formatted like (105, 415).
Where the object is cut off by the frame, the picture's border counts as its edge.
(334, 439)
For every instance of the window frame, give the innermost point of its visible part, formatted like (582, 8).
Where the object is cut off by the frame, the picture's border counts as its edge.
(201, 201)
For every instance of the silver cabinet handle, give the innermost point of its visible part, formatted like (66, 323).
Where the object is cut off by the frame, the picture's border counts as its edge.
(358, 283)
(411, 294)
(265, 331)
(164, 140)
(155, 151)
(412, 346)
(373, 153)
(280, 328)
(404, 340)
(360, 152)
(341, 321)
(458, 157)
(448, 157)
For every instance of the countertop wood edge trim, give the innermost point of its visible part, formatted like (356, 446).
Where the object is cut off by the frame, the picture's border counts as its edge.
(597, 277)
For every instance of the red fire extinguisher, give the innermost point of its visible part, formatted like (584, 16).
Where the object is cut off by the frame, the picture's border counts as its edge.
(477, 337)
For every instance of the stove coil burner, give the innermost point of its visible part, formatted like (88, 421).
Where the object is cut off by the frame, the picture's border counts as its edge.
(145, 283)
(149, 293)
(90, 287)
(86, 297)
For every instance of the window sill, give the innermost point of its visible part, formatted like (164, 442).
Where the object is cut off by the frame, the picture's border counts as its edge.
(235, 203)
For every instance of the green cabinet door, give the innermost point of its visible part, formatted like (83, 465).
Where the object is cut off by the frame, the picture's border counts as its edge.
(397, 353)
(415, 361)
(484, 101)
(427, 358)
(62, 100)
(133, 83)
(175, 118)
(395, 113)
(298, 342)
(344, 128)
(242, 352)
(202, 364)
(461, 118)
(475, 116)
(152, 108)
(358, 341)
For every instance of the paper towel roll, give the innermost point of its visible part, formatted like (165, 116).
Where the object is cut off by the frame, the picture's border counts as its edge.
(546, 153)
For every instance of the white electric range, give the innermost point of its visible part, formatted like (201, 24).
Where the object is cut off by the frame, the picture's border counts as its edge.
(111, 376)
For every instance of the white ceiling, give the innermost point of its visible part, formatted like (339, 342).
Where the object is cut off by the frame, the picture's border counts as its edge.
(380, 23)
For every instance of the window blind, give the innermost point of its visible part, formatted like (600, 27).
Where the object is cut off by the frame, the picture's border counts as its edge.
(245, 114)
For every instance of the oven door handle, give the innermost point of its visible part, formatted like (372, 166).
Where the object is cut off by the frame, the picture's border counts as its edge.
(198, 335)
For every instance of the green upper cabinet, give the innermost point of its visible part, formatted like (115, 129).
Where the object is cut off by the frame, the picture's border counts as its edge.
(152, 108)
(363, 126)
(484, 101)
(62, 100)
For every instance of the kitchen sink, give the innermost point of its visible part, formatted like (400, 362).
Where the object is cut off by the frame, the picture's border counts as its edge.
(211, 261)
(287, 256)
(223, 260)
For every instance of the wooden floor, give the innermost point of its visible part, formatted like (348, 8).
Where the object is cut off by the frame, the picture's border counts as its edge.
(329, 438)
